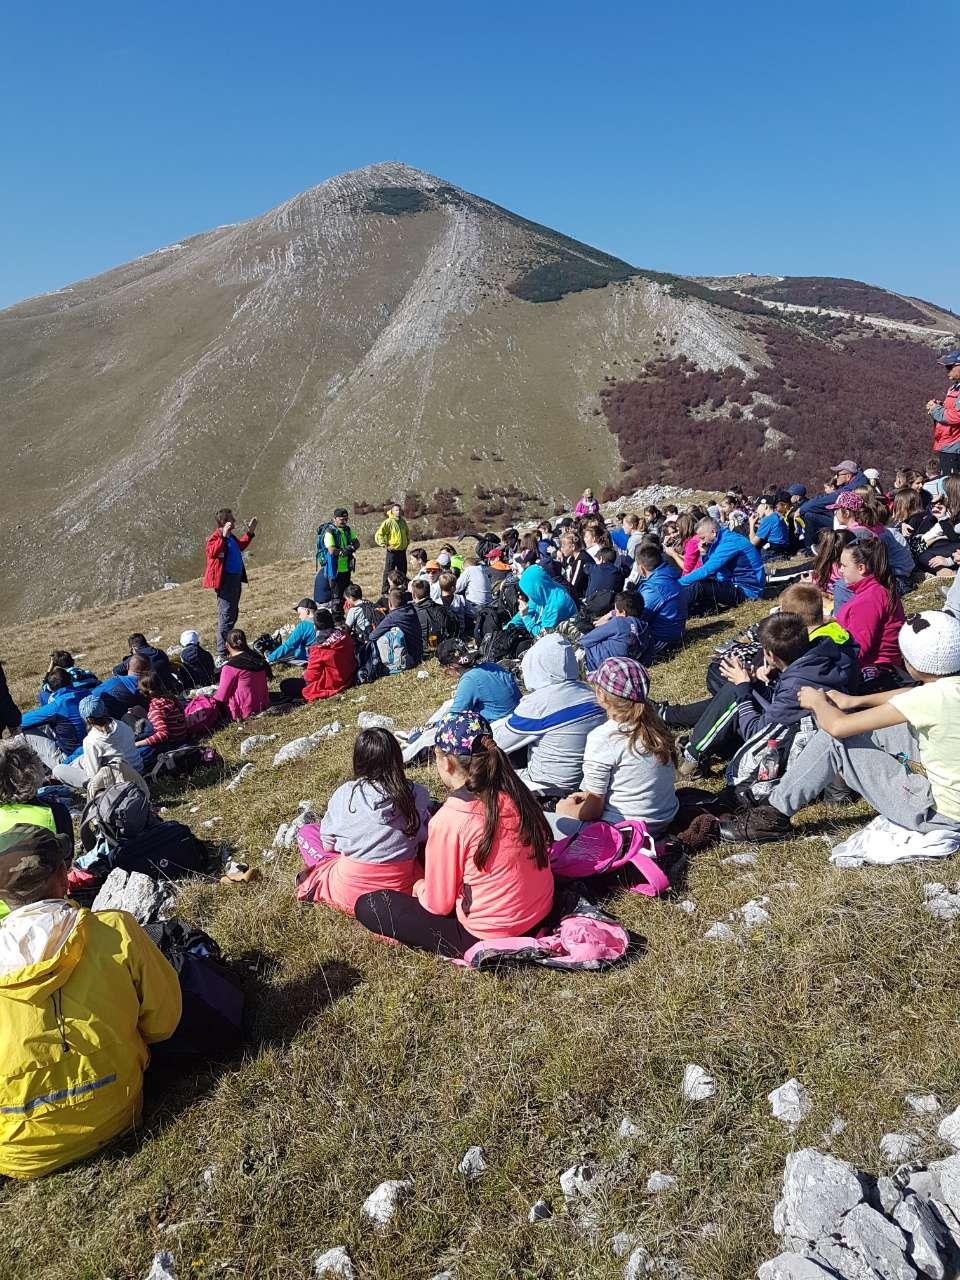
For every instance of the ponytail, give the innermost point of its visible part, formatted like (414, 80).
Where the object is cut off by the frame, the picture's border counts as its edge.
(871, 554)
(490, 773)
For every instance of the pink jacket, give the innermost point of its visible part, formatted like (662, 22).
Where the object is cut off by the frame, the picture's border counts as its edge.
(692, 558)
(873, 623)
(586, 508)
(243, 693)
(508, 897)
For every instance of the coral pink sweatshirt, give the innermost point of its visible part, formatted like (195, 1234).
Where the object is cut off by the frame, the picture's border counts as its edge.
(874, 623)
(508, 897)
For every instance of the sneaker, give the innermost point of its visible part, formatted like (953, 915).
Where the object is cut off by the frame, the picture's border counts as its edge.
(761, 825)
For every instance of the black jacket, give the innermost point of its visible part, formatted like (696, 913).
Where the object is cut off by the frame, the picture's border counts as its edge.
(9, 711)
(408, 621)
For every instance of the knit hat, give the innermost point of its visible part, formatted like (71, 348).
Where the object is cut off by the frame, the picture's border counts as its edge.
(189, 637)
(443, 558)
(29, 856)
(930, 642)
(92, 705)
(623, 678)
(849, 500)
(461, 733)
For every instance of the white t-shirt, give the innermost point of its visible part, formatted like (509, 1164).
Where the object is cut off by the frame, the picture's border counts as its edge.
(933, 710)
(117, 743)
(633, 786)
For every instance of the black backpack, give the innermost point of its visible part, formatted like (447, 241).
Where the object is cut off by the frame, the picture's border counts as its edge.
(119, 813)
(211, 1026)
(165, 851)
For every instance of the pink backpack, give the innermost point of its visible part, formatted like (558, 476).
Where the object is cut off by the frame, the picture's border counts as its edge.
(203, 715)
(601, 847)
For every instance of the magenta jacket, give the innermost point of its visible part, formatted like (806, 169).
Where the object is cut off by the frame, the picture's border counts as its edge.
(243, 692)
(873, 623)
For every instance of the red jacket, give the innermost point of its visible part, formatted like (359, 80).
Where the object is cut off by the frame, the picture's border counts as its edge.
(216, 550)
(946, 426)
(331, 666)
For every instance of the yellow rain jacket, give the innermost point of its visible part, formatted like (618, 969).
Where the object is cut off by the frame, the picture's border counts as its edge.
(393, 534)
(82, 994)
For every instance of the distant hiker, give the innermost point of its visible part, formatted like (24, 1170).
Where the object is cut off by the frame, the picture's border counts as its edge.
(293, 650)
(815, 511)
(731, 572)
(158, 660)
(372, 831)
(946, 417)
(82, 994)
(394, 536)
(244, 678)
(225, 572)
(587, 506)
(487, 856)
(337, 545)
(197, 668)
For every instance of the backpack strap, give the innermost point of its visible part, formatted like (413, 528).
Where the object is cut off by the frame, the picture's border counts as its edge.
(657, 880)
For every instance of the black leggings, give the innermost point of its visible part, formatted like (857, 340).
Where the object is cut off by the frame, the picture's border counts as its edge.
(713, 721)
(400, 915)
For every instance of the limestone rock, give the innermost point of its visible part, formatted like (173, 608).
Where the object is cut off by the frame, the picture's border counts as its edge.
(255, 742)
(579, 1181)
(890, 1194)
(147, 900)
(237, 778)
(698, 1085)
(473, 1163)
(719, 932)
(163, 1266)
(940, 902)
(880, 1243)
(793, 1266)
(896, 1148)
(300, 748)
(636, 1268)
(382, 1203)
(659, 1181)
(754, 913)
(739, 860)
(790, 1103)
(928, 1239)
(628, 1129)
(287, 831)
(622, 1243)
(922, 1103)
(818, 1191)
(373, 720)
(335, 1263)
(540, 1211)
(949, 1129)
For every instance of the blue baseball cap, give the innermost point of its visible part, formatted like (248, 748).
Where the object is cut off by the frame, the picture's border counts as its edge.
(797, 490)
(950, 358)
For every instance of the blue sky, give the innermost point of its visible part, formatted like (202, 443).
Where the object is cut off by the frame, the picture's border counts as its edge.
(804, 140)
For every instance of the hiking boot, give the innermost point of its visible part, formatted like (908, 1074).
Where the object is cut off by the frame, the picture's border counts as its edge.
(689, 769)
(761, 825)
(839, 793)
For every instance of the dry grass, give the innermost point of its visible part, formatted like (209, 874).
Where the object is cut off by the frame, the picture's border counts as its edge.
(368, 1062)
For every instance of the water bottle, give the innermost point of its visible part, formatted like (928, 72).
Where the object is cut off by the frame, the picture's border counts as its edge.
(768, 767)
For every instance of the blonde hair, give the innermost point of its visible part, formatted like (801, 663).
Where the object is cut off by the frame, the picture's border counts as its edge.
(646, 732)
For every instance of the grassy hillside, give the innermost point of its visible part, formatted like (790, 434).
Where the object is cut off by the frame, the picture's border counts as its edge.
(368, 1062)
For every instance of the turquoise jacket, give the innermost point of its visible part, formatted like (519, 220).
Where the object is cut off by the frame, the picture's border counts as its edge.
(549, 603)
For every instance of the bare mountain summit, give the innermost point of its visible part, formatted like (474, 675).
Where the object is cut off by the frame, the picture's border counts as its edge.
(382, 332)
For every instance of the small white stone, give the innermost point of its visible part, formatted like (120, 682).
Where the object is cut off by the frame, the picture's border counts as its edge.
(255, 741)
(473, 1163)
(897, 1148)
(382, 1203)
(540, 1211)
(163, 1266)
(235, 781)
(373, 720)
(698, 1085)
(335, 1263)
(753, 913)
(922, 1103)
(423, 675)
(636, 1268)
(577, 1181)
(194, 808)
(628, 1129)
(790, 1103)
(739, 860)
(719, 932)
(622, 1243)
(686, 906)
(209, 1175)
(658, 1182)
(211, 822)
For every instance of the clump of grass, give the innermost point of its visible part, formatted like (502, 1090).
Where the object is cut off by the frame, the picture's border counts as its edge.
(368, 1062)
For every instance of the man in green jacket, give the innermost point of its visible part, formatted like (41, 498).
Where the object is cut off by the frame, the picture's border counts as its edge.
(394, 536)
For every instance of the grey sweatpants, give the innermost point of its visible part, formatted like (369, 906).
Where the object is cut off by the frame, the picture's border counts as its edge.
(228, 608)
(44, 745)
(868, 765)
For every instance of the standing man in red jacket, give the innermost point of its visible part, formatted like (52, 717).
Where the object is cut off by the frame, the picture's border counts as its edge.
(946, 418)
(225, 572)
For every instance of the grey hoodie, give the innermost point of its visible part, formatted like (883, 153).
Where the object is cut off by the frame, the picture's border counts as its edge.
(553, 718)
(361, 822)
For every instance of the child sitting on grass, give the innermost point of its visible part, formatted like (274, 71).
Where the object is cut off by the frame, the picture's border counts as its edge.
(168, 724)
(372, 831)
(487, 856)
(628, 762)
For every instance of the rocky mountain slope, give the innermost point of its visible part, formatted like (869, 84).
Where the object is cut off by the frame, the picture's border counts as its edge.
(382, 333)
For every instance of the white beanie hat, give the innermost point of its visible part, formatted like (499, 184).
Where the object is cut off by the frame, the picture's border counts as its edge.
(189, 637)
(871, 473)
(930, 642)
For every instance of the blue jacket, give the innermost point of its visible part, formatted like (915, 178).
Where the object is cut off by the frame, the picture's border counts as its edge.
(549, 603)
(63, 714)
(603, 577)
(295, 647)
(119, 694)
(618, 638)
(159, 663)
(664, 603)
(82, 679)
(818, 506)
(734, 559)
